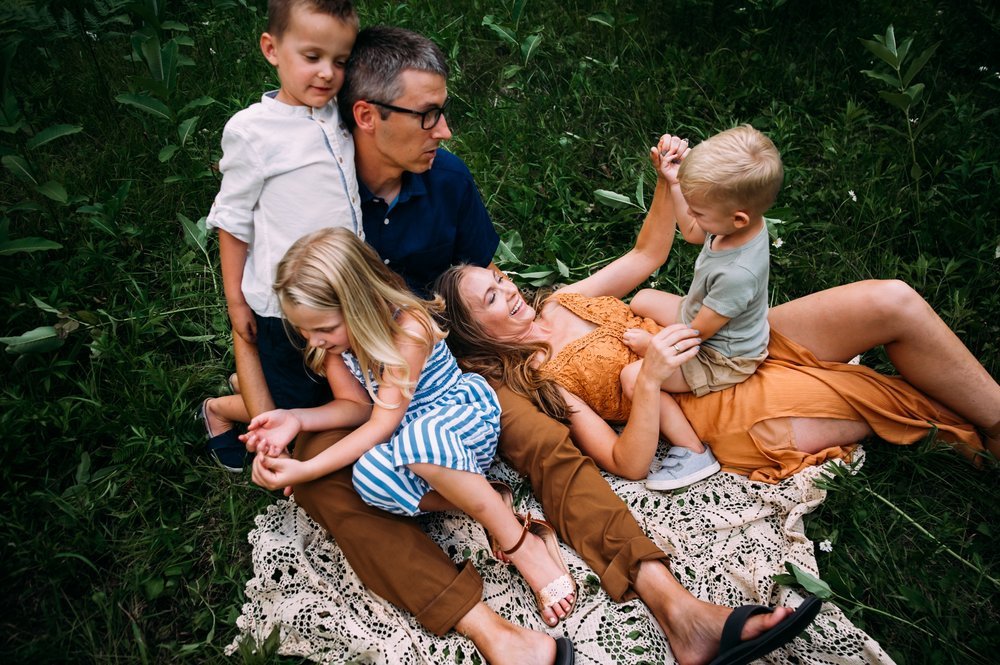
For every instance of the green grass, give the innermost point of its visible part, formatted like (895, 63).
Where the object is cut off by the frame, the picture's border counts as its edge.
(121, 543)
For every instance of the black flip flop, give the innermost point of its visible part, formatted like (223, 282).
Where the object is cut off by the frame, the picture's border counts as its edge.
(734, 651)
(564, 652)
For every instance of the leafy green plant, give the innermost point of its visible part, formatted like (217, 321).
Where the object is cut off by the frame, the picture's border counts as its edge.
(903, 93)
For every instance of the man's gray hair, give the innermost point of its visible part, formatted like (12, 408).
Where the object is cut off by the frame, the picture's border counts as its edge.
(381, 54)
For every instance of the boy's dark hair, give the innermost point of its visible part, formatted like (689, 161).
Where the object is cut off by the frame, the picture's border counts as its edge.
(279, 12)
(381, 53)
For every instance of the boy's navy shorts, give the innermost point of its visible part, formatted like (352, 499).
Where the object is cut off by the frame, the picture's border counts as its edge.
(292, 384)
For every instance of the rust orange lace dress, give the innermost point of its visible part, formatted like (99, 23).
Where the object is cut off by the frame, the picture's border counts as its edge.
(748, 426)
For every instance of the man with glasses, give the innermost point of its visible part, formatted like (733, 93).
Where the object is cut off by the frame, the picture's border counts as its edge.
(421, 208)
(422, 212)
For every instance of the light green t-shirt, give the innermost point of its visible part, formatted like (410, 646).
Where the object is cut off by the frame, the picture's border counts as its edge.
(733, 282)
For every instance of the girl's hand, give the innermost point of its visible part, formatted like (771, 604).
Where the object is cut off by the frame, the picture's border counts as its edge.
(270, 433)
(279, 472)
(667, 156)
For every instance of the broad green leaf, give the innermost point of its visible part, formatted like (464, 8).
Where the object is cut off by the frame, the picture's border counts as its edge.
(174, 25)
(919, 63)
(881, 76)
(613, 199)
(510, 71)
(30, 244)
(884, 54)
(562, 268)
(890, 39)
(518, 10)
(914, 91)
(529, 46)
(53, 190)
(51, 134)
(603, 18)
(19, 167)
(39, 340)
(810, 582)
(196, 338)
(145, 103)
(183, 40)
(904, 49)
(916, 171)
(44, 306)
(536, 274)
(167, 152)
(897, 99)
(640, 194)
(195, 233)
(509, 247)
(169, 59)
(196, 103)
(186, 128)
(153, 55)
(504, 33)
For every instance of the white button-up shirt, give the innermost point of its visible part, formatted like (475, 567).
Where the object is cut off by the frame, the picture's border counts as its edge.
(286, 171)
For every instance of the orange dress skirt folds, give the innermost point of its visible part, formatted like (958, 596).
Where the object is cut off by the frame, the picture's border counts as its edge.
(748, 426)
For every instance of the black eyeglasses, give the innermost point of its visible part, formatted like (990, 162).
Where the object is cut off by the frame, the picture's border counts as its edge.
(428, 118)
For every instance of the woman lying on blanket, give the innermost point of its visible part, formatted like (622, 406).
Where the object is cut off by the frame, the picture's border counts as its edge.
(803, 405)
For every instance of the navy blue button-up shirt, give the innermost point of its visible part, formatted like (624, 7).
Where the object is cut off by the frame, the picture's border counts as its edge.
(437, 220)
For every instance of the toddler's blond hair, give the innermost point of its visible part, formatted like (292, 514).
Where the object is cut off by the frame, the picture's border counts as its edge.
(739, 166)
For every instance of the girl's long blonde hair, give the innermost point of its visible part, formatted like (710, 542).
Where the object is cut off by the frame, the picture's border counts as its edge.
(510, 363)
(334, 270)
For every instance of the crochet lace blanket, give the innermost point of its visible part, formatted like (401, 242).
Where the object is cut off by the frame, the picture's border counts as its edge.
(726, 536)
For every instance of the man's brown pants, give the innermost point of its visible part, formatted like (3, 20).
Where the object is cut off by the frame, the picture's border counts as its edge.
(396, 559)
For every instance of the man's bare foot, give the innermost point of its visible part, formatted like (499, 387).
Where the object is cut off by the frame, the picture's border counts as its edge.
(695, 632)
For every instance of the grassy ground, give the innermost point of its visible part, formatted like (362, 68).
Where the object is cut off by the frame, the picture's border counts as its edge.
(121, 543)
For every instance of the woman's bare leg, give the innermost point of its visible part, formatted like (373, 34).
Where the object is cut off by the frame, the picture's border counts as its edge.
(472, 494)
(842, 322)
(815, 434)
(693, 627)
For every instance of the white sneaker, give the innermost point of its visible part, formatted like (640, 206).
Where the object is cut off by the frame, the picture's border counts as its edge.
(682, 467)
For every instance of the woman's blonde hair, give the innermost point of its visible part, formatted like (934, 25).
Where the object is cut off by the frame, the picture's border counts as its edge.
(739, 166)
(334, 270)
(509, 363)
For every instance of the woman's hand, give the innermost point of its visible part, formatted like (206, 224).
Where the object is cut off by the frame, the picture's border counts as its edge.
(668, 350)
(279, 472)
(667, 156)
(270, 433)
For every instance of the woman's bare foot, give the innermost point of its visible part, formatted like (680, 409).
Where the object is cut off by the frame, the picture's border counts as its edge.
(503, 643)
(533, 561)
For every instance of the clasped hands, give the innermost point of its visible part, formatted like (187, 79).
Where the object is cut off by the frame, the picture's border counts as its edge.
(268, 435)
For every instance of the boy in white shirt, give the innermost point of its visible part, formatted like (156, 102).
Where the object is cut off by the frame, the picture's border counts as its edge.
(287, 170)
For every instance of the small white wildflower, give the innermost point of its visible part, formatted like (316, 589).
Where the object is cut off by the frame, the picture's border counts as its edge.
(92, 35)
(777, 243)
(826, 546)
(211, 50)
(914, 121)
(983, 68)
(996, 254)
(854, 197)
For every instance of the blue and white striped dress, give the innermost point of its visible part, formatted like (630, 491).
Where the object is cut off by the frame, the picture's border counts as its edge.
(453, 421)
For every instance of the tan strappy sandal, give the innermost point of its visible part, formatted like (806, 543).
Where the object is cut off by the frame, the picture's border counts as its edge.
(560, 587)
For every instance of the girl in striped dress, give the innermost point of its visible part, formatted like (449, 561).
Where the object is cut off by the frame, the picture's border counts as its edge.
(425, 431)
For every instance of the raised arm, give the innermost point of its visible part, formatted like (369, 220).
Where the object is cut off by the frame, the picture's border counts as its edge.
(656, 237)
